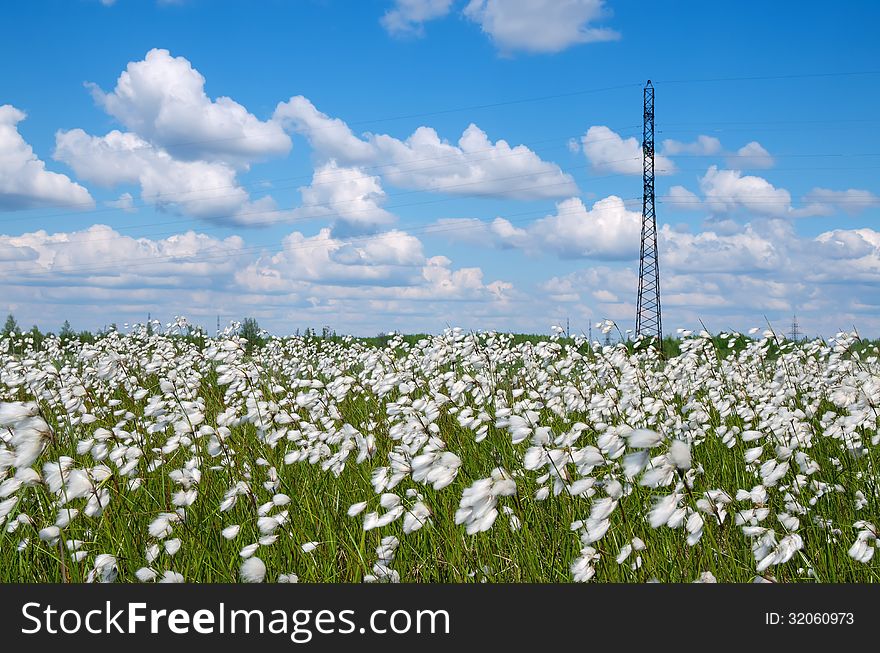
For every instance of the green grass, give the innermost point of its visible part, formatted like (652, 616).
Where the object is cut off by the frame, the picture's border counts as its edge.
(542, 550)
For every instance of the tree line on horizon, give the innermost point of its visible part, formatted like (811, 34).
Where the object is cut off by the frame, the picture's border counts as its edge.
(249, 329)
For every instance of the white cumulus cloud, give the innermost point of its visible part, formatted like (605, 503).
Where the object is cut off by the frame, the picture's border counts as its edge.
(823, 201)
(24, 181)
(702, 146)
(101, 257)
(407, 17)
(475, 166)
(162, 99)
(347, 195)
(200, 189)
(390, 259)
(608, 152)
(726, 191)
(749, 156)
(606, 231)
(540, 25)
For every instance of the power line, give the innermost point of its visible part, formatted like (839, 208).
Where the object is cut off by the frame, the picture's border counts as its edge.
(151, 261)
(312, 245)
(618, 132)
(326, 205)
(753, 78)
(513, 102)
(504, 103)
(767, 122)
(442, 188)
(808, 155)
(531, 99)
(751, 199)
(454, 160)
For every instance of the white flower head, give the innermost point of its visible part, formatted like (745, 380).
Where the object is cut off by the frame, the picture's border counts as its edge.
(252, 570)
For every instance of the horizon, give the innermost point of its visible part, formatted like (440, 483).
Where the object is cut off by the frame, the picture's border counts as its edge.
(616, 334)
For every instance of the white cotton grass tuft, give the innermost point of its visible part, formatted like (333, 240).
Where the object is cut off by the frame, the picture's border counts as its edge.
(416, 517)
(172, 577)
(50, 534)
(252, 570)
(105, 569)
(706, 577)
(146, 574)
(643, 438)
(680, 454)
(614, 441)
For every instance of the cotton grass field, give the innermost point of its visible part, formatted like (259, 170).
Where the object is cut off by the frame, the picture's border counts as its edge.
(463, 457)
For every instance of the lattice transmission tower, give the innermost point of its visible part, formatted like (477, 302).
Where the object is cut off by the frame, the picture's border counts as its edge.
(648, 322)
(796, 335)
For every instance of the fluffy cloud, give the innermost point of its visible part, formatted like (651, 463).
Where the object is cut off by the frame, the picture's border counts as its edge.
(822, 201)
(682, 199)
(751, 155)
(608, 230)
(349, 196)
(727, 280)
(201, 189)
(408, 16)
(97, 276)
(608, 152)
(384, 281)
(124, 202)
(474, 167)
(392, 258)
(163, 100)
(500, 233)
(540, 25)
(856, 256)
(702, 146)
(727, 191)
(389, 267)
(101, 257)
(745, 252)
(183, 149)
(24, 181)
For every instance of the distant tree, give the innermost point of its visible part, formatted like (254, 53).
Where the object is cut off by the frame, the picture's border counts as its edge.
(66, 332)
(11, 325)
(250, 331)
(37, 336)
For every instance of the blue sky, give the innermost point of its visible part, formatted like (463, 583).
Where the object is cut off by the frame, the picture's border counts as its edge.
(422, 163)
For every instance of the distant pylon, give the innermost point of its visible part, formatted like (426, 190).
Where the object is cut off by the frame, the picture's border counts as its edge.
(796, 333)
(648, 322)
